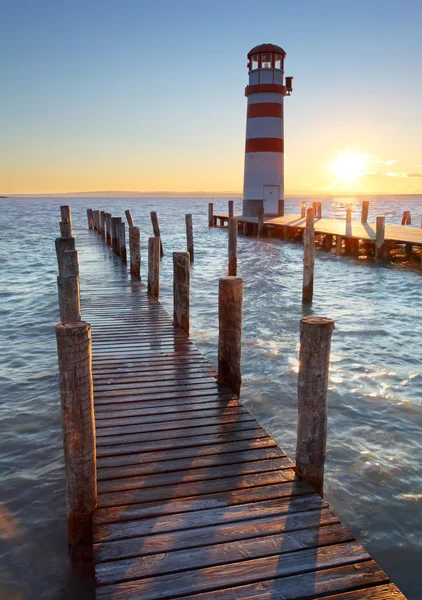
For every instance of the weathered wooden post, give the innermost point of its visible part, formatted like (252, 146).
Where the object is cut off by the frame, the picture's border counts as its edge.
(68, 288)
(66, 214)
(189, 236)
(65, 229)
(154, 267)
(114, 229)
(129, 218)
(102, 223)
(339, 244)
(231, 209)
(380, 235)
(315, 206)
(348, 213)
(328, 241)
(95, 219)
(230, 304)
(281, 208)
(122, 242)
(260, 221)
(135, 251)
(406, 218)
(89, 216)
(314, 359)
(181, 290)
(303, 210)
(63, 244)
(365, 211)
(211, 214)
(319, 210)
(156, 230)
(308, 257)
(232, 247)
(78, 422)
(108, 230)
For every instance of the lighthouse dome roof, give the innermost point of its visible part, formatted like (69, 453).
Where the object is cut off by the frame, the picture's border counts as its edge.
(267, 48)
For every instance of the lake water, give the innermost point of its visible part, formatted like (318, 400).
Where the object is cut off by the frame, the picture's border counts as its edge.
(374, 466)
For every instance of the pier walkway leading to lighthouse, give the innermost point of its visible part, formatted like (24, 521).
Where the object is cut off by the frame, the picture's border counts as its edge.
(195, 498)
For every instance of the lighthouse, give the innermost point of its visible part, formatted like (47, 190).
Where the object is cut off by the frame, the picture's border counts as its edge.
(264, 149)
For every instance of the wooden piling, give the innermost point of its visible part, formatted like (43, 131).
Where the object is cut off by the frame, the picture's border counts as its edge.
(68, 288)
(308, 257)
(95, 218)
(118, 223)
(114, 221)
(328, 242)
(348, 213)
(74, 349)
(231, 209)
(154, 267)
(303, 210)
(365, 211)
(89, 216)
(230, 304)
(319, 210)
(281, 208)
(108, 229)
(102, 224)
(232, 247)
(129, 218)
(63, 244)
(189, 236)
(66, 214)
(122, 242)
(260, 221)
(156, 230)
(135, 251)
(211, 214)
(380, 235)
(314, 358)
(339, 244)
(406, 218)
(181, 290)
(65, 230)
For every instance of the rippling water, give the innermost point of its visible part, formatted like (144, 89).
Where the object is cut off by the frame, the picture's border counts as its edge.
(373, 471)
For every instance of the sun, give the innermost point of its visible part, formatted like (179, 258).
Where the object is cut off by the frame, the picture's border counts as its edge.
(348, 167)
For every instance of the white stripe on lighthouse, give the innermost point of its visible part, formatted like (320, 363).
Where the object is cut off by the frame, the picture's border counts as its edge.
(264, 127)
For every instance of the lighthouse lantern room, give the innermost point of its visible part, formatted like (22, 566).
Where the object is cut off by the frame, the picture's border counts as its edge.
(264, 150)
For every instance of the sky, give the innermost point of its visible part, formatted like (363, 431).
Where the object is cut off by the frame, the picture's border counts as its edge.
(149, 96)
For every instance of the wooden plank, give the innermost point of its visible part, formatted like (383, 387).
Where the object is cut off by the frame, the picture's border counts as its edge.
(167, 409)
(381, 592)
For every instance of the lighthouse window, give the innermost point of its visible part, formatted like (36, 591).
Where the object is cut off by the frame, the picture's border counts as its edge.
(255, 62)
(277, 61)
(266, 61)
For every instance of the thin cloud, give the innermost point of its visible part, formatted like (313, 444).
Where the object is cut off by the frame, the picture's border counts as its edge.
(414, 174)
(402, 175)
(378, 161)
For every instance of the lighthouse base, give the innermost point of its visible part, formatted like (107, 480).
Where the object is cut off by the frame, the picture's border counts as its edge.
(251, 208)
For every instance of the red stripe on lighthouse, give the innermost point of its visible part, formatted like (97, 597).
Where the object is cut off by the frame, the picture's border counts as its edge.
(265, 109)
(264, 145)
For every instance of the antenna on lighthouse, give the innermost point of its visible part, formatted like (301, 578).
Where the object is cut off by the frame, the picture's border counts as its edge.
(264, 151)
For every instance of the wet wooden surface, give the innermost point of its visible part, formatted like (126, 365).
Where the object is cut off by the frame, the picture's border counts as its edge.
(195, 498)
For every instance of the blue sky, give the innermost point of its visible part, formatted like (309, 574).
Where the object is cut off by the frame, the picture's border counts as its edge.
(142, 95)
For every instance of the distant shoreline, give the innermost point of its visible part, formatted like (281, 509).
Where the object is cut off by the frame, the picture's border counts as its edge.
(200, 194)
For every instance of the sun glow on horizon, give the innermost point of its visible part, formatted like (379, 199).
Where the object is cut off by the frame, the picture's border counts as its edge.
(349, 167)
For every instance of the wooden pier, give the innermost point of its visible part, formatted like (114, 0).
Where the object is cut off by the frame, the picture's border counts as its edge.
(195, 500)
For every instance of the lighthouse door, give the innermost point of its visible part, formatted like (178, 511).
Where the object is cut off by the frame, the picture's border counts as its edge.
(271, 199)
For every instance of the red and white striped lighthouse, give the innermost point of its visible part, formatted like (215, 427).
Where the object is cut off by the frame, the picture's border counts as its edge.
(264, 151)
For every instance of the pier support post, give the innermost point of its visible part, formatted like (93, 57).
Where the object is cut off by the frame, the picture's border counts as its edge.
(68, 288)
(339, 244)
(129, 218)
(303, 210)
(230, 304)
(348, 213)
(135, 251)
(210, 214)
(328, 242)
(114, 230)
(231, 209)
(156, 230)
(181, 290)
(89, 216)
(154, 267)
(319, 210)
(63, 244)
(108, 228)
(308, 257)
(66, 214)
(380, 235)
(260, 221)
(314, 358)
(102, 224)
(118, 223)
(74, 350)
(281, 208)
(189, 236)
(122, 242)
(65, 229)
(365, 211)
(232, 247)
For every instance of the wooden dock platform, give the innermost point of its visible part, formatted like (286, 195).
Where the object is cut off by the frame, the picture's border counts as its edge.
(195, 498)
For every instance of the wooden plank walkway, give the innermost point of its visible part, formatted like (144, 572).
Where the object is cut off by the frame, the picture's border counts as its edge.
(354, 230)
(195, 498)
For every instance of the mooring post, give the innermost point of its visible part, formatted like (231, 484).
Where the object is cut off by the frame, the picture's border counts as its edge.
(68, 288)
(122, 242)
(189, 236)
(315, 206)
(156, 230)
(66, 214)
(231, 209)
(129, 218)
(303, 210)
(63, 244)
(232, 247)
(89, 216)
(380, 235)
(181, 290)
(319, 210)
(135, 251)
(260, 221)
(74, 349)
(314, 359)
(308, 257)
(230, 304)
(65, 230)
(211, 214)
(406, 219)
(365, 211)
(154, 267)
(348, 213)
